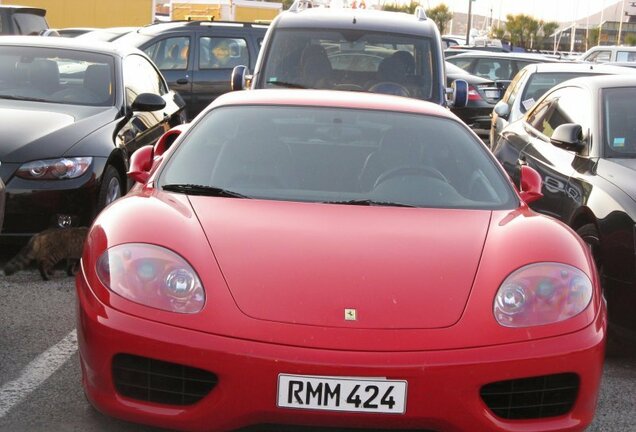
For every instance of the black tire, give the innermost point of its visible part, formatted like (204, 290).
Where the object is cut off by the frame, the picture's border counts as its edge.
(110, 188)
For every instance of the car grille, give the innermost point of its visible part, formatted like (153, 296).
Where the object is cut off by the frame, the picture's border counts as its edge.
(157, 381)
(531, 398)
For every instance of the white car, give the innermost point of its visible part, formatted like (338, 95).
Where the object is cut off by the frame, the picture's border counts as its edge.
(532, 82)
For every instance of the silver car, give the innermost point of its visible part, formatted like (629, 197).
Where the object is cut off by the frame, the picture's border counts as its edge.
(532, 82)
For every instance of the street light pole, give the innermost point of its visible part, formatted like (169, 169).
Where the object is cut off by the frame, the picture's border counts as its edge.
(470, 16)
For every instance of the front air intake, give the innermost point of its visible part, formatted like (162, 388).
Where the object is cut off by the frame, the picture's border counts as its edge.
(532, 398)
(157, 381)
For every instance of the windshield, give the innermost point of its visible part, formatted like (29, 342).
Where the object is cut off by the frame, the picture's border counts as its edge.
(619, 122)
(56, 75)
(351, 60)
(334, 155)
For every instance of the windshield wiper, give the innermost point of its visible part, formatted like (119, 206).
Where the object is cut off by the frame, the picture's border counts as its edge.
(286, 84)
(368, 202)
(23, 98)
(193, 189)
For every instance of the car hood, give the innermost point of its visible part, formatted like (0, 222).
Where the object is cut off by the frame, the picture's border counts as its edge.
(321, 264)
(59, 127)
(619, 172)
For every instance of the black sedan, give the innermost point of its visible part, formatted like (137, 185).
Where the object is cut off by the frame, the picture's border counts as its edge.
(581, 137)
(71, 115)
(483, 94)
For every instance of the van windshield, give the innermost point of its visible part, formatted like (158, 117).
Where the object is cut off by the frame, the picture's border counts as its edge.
(356, 60)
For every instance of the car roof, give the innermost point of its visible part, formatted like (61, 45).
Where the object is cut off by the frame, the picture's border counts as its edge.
(364, 19)
(162, 27)
(69, 43)
(598, 82)
(27, 9)
(330, 98)
(510, 55)
(577, 67)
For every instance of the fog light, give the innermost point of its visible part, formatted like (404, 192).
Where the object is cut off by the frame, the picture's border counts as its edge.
(64, 221)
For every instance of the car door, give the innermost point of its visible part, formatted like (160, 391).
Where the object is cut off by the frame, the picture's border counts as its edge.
(216, 55)
(175, 60)
(145, 127)
(555, 164)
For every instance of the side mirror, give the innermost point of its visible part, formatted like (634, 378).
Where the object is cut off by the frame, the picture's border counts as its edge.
(238, 78)
(148, 102)
(530, 189)
(502, 109)
(144, 160)
(140, 164)
(568, 136)
(459, 93)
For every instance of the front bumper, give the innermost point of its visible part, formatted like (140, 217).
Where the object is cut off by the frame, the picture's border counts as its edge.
(33, 206)
(443, 386)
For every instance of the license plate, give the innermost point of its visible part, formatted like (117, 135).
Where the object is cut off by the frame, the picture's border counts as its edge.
(492, 94)
(355, 394)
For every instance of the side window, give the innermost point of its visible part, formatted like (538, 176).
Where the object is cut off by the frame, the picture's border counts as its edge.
(222, 53)
(494, 69)
(568, 106)
(29, 24)
(462, 63)
(536, 117)
(600, 57)
(170, 53)
(141, 77)
(626, 56)
(4, 27)
(513, 89)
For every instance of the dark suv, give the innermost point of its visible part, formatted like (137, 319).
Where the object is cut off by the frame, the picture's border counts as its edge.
(20, 20)
(188, 55)
(350, 49)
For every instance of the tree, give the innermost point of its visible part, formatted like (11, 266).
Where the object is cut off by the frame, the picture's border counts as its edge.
(522, 29)
(630, 39)
(592, 38)
(441, 15)
(408, 8)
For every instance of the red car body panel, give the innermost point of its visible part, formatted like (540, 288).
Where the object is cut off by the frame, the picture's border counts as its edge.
(422, 280)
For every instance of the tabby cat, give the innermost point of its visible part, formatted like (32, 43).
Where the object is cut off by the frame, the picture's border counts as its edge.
(49, 248)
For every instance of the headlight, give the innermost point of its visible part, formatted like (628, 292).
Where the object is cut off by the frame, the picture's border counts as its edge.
(153, 276)
(55, 169)
(542, 293)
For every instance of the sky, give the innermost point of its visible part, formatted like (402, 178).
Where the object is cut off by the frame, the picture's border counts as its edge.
(547, 10)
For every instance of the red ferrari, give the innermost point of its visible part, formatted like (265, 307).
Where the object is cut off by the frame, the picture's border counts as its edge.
(319, 260)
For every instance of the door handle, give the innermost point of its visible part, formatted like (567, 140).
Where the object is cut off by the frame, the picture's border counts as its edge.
(183, 81)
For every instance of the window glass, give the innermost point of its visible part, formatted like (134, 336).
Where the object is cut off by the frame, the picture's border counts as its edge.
(539, 83)
(141, 77)
(463, 63)
(513, 89)
(29, 24)
(537, 115)
(4, 26)
(222, 53)
(494, 69)
(57, 75)
(322, 154)
(569, 107)
(600, 57)
(619, 122)
(352, 59)
(626, 56)
(170, 53)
